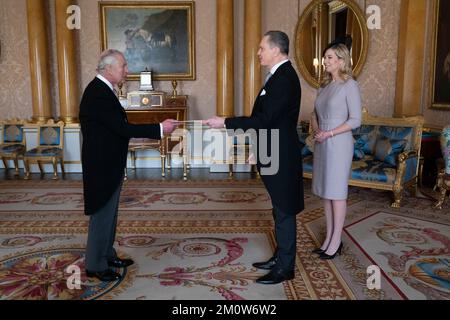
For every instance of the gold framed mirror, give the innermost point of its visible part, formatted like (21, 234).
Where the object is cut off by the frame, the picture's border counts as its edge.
(322, 22)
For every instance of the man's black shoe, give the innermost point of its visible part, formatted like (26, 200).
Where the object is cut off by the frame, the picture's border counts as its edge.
(276, 276)
(106, 275)
(266, 265)
(120, 263)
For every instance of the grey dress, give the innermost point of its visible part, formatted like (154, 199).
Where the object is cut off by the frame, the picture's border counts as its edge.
(336, 104)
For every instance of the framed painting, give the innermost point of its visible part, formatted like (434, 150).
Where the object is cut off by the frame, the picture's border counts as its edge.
(159, 36)
(440, 73)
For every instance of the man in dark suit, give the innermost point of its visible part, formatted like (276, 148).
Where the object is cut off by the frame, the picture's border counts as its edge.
(106, 134)
(276, 109)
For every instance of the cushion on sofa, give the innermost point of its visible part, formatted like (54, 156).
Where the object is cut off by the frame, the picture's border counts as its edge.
(365, 138)
(360, 142)
(399, 133)
(369, 169)
(387, 150)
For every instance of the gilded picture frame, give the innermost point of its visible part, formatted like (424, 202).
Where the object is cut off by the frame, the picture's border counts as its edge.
(440, 56)
(159, 36)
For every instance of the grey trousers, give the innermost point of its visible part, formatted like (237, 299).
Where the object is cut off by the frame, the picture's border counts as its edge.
(102, 232)
(286, 237)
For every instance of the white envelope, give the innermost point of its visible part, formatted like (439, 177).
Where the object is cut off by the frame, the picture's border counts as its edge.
(263, 92)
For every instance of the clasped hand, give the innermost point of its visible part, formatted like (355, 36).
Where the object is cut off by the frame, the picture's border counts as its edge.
(320, 136)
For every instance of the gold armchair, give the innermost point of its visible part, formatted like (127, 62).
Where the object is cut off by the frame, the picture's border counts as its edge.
(241, 153)
(50, 148)
(12, 143)
(137, 144)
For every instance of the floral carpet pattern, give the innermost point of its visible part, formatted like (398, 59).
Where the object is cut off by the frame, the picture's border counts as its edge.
(198, 240)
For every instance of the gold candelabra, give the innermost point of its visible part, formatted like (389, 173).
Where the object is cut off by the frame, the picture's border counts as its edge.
(174, 86)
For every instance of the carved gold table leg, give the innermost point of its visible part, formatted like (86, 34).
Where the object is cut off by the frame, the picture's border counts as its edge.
(397, 197)
(443, 184)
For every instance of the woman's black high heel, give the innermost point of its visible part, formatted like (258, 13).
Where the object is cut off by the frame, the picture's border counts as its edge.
(325, 256)
(318, 251)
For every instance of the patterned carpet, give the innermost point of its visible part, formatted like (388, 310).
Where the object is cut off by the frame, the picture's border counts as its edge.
(197, 240)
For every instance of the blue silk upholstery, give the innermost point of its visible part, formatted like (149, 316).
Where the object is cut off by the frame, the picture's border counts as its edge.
(11, 148)
(306, 151)
(445, 147)
(49, 136)
(365, 139)
(308, 163)
(44, 152)
(410, 171)
(376, 151)
(387, 150)
(12, 133)
(367, 169)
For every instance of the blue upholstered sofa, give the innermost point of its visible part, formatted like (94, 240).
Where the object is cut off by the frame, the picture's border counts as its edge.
(386, 154)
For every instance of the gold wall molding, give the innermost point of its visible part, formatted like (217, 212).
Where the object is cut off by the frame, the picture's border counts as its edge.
(39, 60)
(225, 58)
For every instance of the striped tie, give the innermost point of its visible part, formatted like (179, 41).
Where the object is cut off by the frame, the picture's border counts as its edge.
(267, 77)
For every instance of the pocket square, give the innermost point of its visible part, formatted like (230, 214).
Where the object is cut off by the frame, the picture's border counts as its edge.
(263, 92)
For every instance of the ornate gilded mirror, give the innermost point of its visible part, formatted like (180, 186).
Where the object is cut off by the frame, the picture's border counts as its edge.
(322, 22)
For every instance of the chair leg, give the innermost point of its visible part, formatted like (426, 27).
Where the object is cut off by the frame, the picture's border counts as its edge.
(163, 165)
(442, 194)
(184, 167)
(133, 159)
(55, 169)
(16, 166)
(397, 197)
(41, 169)
(125, 176)
(230, 170)
(26, 165)
(169, 161)
(442, 190)
(5, 163)
(63, 171)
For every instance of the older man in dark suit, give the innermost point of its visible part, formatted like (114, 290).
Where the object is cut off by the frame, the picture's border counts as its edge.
(106, 134)
(276, 109)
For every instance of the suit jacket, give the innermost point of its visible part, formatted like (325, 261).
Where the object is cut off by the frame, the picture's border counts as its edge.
(106, 133)
(277, 107)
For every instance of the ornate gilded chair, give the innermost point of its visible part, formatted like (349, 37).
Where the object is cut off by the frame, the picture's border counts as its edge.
(241, 152)
(443, 179)
(137, 144)
(50, 148)
(12, 143)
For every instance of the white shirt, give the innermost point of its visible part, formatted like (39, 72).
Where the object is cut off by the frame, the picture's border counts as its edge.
(109, 84)
(275, 67)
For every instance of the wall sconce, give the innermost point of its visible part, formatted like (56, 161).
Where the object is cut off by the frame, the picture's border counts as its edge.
(316, 65)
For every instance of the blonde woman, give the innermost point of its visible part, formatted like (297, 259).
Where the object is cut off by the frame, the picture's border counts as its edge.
(337, 111)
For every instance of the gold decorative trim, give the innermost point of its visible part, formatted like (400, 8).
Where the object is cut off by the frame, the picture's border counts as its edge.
(70, 120)
(189, 6)
(312, 81)
(434, 28)
(336, 6)
(72, 162)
